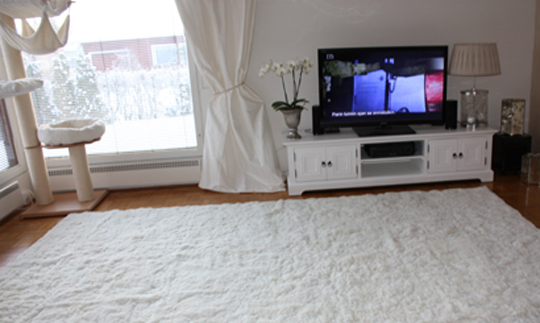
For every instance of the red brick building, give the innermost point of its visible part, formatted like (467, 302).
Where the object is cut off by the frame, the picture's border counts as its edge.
(146, 52)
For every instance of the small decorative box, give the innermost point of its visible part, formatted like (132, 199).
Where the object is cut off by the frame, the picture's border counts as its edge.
(530, 169)
(512, 116)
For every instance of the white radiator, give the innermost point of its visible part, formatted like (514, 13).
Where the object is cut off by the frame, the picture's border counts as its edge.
(11, 198)
(128, 175)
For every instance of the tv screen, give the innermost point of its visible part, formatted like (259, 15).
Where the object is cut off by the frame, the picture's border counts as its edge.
(383, 87)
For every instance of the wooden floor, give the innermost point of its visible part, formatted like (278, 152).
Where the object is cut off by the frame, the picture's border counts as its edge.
(17, 235)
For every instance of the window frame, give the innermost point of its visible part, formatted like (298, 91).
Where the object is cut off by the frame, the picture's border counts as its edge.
(155, 49)
(198, 91)
(19, 169)
(200, 97)
(166, 154)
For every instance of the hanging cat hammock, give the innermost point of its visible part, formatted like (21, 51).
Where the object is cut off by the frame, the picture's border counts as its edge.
(33, 8)
(45, 39)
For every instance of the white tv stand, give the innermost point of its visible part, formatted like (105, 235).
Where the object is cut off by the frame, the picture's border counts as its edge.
(333, 161)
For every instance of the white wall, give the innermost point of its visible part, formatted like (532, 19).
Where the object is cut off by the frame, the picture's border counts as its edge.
(290, 29)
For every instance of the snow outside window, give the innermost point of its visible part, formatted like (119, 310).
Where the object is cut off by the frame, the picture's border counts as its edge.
(126, 64)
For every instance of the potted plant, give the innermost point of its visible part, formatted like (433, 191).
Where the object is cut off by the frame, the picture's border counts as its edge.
(291, 110)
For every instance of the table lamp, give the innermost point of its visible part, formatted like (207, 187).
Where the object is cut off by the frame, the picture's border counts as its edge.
(481, 59)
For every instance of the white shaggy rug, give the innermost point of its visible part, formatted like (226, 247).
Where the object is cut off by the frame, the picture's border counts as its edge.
(439, 256)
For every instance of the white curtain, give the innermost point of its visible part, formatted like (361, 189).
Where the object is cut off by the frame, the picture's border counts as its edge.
(239, 154)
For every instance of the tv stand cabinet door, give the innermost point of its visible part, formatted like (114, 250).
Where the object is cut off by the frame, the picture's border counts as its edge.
(464, 154)
(472, 154)
(442, 156)
(342, 162)
(310, 164)
(326, 163)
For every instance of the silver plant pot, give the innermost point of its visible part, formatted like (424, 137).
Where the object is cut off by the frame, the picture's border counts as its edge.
(292, 120)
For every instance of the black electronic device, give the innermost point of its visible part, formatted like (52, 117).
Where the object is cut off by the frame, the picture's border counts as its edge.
(316, 115)
(450, 114)
(382, 90)
(393, 149)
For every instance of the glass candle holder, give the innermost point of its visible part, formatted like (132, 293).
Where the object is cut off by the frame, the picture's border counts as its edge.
(474, 108)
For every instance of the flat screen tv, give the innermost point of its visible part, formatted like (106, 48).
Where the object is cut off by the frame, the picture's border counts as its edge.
(382, 90)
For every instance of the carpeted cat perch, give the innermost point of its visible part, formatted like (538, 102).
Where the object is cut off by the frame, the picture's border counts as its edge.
(74, 135)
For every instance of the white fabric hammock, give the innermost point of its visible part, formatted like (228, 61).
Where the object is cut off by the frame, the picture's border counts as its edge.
(45, 39)
(33, 8)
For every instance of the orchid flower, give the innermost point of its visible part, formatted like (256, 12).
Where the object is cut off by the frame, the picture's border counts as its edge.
(296, 69)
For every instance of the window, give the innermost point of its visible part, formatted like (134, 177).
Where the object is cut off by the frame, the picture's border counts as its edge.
(165, 54)
(126, 64)
(8, 157)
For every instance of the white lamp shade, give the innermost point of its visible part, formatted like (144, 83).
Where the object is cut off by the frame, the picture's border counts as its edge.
(475, 60)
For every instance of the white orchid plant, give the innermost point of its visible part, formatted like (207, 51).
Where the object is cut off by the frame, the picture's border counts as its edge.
(297, 69)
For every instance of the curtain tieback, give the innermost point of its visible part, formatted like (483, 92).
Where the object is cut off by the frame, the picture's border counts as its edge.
(230, 89)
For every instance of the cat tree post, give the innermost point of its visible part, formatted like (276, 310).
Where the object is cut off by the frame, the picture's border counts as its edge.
(27, 123)
(83, 181)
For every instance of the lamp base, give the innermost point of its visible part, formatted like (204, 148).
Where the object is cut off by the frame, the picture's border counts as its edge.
(474, 108)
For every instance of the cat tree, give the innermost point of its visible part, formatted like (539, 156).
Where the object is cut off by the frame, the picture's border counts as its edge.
(42, 41)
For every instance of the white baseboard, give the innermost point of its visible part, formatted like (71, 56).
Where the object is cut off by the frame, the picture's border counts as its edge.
(131, 175)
